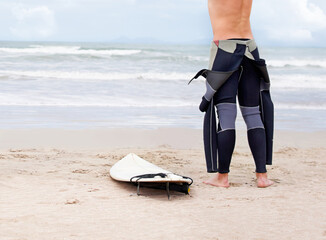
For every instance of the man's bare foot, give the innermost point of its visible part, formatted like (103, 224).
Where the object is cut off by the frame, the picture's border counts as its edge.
(263, 181)
(219, 180)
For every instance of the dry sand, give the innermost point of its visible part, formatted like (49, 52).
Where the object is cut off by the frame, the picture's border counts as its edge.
(55, 184)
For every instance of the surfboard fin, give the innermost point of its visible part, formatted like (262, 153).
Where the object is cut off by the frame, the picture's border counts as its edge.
(138, 188)
(168, 189)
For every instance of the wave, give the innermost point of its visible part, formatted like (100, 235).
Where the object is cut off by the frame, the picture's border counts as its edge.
(60, 98)
(69, 50)
(36, 50)
(298, 81)
(98, 101)
(320, 63)
(278, 81)
(282, 106)
(95, 101)
(86, 75)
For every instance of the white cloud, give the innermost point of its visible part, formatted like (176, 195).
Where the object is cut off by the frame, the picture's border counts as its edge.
(308, 15)
(291, 21)
(274, 22)
(33, 22)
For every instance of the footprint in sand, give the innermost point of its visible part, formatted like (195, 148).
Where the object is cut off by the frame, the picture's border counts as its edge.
(235, 184)
(72, 201)
(81, 171)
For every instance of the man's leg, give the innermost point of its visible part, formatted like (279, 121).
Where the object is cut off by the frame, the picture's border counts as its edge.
(225, 100)
(226, 112)
(248, 95)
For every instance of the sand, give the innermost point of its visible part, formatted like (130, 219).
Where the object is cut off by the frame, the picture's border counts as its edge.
(55, 184)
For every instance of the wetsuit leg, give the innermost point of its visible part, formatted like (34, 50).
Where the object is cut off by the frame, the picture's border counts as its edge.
(226, 112)
(225, 101)
(248, 95)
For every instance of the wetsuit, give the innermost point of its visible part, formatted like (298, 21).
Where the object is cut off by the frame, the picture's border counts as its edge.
(235, 69)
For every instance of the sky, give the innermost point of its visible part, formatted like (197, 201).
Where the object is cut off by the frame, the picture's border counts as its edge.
(274, 22)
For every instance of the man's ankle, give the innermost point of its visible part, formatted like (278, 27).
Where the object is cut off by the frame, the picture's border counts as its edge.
(261, 175)
(223, 176)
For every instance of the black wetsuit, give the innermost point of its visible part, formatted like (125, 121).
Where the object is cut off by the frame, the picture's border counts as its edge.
(236, 70)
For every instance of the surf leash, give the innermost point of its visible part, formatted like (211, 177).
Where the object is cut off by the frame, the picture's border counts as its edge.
(162, 175)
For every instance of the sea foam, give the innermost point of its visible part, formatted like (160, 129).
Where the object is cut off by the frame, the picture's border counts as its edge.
(68, 50)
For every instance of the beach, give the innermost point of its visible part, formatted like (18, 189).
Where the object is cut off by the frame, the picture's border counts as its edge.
(70, 111)
(55, 184)
(85, 84)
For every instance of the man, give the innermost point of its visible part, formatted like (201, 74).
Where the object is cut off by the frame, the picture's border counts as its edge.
(235, 69)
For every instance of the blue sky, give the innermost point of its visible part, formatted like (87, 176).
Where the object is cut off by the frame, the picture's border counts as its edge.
(274, 22)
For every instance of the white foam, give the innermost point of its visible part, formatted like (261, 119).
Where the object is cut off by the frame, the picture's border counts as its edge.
(64, 99)
(87, 75)
(281, 63)
(56, 102)
(37, 49)
(278, 81)
(295, 106)
(26, 99)
(298, 81)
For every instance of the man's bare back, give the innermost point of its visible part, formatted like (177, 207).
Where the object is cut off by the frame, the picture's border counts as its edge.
(230, 18)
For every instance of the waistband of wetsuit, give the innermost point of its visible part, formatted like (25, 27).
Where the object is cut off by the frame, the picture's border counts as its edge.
(232, 42)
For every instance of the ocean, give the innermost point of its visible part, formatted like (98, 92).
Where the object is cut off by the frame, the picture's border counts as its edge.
(96, 85)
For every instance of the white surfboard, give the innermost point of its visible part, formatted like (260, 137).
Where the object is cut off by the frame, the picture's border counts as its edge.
(133, 168)
(132, 165)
